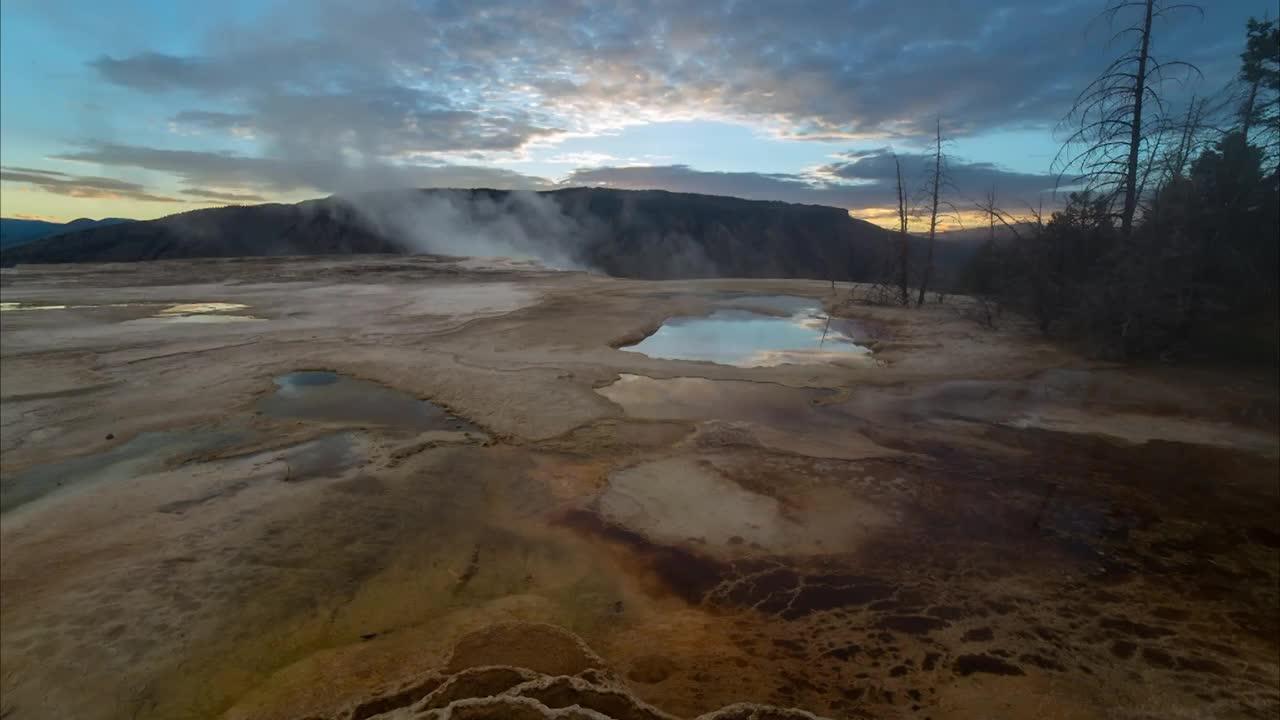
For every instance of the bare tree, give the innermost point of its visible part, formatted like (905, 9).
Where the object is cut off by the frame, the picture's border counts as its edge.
(1030, 282)
(904, 242)
(986, 276)
(991, 215)
(937, 180)
(1138, 93)
(1250, 102)
(1118, 118)
(992, 297)
(1188, 141)
(1172, 165)
(883, 289)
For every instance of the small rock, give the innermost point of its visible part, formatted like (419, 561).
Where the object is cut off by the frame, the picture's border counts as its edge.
(111, 436)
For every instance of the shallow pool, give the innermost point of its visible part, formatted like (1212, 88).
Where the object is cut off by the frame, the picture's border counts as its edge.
(799, 333)
(330, 397)
(146, 453)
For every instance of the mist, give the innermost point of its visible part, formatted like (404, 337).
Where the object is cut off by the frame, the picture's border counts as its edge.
(518, 224)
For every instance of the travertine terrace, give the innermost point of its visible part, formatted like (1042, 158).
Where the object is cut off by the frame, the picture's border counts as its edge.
(968, 524)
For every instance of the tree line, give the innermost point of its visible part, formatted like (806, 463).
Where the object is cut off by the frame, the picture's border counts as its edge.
(1166, 246)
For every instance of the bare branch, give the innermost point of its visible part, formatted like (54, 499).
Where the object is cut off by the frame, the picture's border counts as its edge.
(1119, 119)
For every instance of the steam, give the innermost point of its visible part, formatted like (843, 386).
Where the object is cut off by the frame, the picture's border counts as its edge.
(519, 224)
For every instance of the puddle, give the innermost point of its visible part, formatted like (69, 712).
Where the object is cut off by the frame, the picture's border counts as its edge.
(145, 453)
(329, 397)
(192, 319)
(328, 456)
(804, 334)
(182, 312)
(199, 308)
(325, 457)
(196, 313)
(12, 306)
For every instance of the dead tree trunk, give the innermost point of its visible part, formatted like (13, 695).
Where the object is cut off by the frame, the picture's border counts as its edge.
(1135, 134)
(1247, 109)
(1119, 118)
(904, 244)
(933, 214)
(991, 216)
(991, 243)
(1186, 141)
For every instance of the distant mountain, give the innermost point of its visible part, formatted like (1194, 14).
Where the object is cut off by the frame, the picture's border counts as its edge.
(318, 227)
(15, 231)
(628, 233)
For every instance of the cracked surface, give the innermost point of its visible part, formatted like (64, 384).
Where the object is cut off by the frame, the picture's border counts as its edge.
(979, 525)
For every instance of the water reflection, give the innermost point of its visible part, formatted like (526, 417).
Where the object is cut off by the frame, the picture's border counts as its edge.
(803, 334)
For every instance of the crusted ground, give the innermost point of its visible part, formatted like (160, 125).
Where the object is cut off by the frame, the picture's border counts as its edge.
(975, 524)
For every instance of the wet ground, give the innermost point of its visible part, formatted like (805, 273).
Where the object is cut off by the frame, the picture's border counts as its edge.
(422, 486)
(323, 396)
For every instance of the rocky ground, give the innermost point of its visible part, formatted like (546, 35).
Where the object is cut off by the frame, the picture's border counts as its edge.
(971, 524)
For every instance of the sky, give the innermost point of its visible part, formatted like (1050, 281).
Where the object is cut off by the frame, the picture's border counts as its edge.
(144, 109)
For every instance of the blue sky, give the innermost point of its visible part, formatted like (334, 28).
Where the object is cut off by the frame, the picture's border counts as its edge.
(146, 109)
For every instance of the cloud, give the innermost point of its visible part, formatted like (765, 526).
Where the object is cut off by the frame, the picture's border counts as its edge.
(967, 180)
(329, 174)
(214, 196)
(154, 71)
(340, 97)
(496, 75)
(376, 121)
(582, 159)
(81, 186)
(864, 183)
(682, 178)
(53, 173)
(196, 122)
(30, 216)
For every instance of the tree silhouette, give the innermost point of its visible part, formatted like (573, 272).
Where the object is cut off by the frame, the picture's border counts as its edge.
(904, 242)
(1119, 118)
(937, 181)
(1260, 72)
